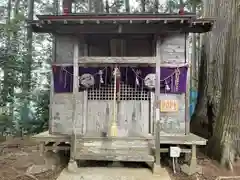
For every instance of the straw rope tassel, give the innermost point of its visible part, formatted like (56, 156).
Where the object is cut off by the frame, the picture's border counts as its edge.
(113, 131)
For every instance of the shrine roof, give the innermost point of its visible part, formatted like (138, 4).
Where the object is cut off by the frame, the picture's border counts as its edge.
(120, 23)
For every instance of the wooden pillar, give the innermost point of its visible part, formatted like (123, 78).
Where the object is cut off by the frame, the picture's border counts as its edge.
(85, 112)
(187, 94)
(74, 100)
(157, 100)
(42, 148)
(192, 168)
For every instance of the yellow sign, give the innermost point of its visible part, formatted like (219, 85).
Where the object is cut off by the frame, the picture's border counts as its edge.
(169, 106)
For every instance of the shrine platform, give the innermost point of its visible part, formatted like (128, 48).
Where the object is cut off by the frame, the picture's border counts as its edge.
(190, 139)
(187, 145)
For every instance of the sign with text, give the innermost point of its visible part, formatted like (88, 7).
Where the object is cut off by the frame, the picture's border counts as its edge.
(168, 105)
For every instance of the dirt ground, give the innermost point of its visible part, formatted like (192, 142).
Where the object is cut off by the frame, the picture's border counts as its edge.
(17, 155)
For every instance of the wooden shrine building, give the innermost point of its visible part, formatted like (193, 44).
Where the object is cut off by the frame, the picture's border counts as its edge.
(120, 85)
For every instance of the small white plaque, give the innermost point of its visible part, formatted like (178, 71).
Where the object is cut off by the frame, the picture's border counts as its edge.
(175, 152)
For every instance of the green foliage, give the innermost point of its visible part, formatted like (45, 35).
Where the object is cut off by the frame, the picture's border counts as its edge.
(22, 117)
(172, 6)
(42, 112)
(193, 1)
(6, 124)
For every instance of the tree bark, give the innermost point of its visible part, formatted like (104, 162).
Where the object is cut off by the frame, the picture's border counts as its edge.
(28, 65)
(226, 134)
(156, 5)
(15, 49)
(90, 6)
(115, 6)
(200, 118)
(98, 6)
(219, 88)
(5, 93)
(143, 5)
(127, 6)
(27, 68)
(107, 6)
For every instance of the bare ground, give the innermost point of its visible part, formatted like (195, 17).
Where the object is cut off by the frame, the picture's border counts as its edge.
(17, 155)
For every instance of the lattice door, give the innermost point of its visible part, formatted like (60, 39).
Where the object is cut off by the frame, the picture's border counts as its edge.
(132, 112)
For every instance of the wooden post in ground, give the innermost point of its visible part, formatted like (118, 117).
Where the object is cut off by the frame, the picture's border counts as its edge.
(157, 169)
(187, 94)
(72, 166)
(192, 168)
(42, 148)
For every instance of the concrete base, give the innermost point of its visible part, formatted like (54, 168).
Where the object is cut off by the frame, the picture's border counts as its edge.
(190, 170)
(107, 173)
(158, 170)
(72, 166)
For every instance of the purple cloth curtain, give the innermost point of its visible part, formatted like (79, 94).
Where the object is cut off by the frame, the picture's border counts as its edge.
(63, 77)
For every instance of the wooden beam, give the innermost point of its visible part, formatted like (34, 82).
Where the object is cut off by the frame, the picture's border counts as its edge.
(116, 60)
(74, 100)
(102, 60)
(114, 28)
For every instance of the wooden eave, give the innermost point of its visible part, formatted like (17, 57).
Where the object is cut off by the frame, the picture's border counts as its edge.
(125, 24)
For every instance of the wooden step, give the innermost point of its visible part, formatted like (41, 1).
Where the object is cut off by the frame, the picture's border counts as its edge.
(115, 157)
(113, 149)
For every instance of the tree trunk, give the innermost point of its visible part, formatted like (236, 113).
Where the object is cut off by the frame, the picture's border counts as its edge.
(156, 5)
(115, 6)
(219, 89)
(181, 4)
(28, 64)
(107, 6)
(90, 6)
(27, 69)
(56, 7)
(225, 138)
(15, 49)
(5, 92)
(98, 6)
(206, 103)
(127, 6)
(143, 5)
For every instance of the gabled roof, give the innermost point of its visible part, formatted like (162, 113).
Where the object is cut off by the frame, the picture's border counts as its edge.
(120, 23)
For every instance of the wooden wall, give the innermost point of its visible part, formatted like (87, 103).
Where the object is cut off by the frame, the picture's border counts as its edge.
(61, 117)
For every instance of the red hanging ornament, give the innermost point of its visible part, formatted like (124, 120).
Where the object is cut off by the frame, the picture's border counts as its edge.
(65, 11)
(54, 68)
(181, 11)
(67, 6)
(118, 79)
